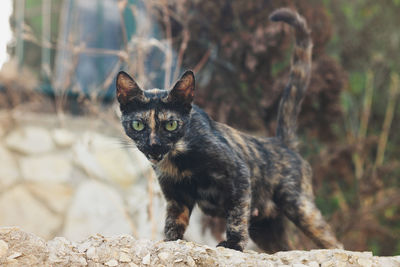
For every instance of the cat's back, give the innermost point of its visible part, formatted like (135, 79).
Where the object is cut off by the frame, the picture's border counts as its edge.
(224, 143)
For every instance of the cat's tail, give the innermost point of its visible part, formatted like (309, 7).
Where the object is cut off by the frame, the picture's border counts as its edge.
(294, 92)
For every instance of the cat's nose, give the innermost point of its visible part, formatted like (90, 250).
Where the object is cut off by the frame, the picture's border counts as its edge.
(155, 149)
(154, 141)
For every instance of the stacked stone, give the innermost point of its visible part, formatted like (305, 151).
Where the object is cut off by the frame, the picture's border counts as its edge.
(18, 248)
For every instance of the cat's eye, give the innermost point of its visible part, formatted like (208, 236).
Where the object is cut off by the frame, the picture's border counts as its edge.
(171, 125)
(137, 125)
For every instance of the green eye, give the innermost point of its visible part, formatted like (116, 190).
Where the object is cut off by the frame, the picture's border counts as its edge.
(137, 126)
(171, 126)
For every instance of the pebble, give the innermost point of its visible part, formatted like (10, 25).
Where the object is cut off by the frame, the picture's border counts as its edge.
(3, 248)
(313, 264)
(123, 257)
(91, 253)
(82, 261)
(329, 263)
(190, 261)
(341, 256)
(14, 255)
(163, 256)
(364, 262)
(146, 259)
(112, 263)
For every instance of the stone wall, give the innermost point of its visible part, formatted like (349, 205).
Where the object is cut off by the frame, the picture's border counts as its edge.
(76, 177)
(18, 248)
(79, 178)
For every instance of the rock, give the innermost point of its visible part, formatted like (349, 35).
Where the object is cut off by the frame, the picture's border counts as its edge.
(146, 259)
(123, 166)
(329, 263)
(105, 158)
(46, 168)
(3, 248)
(111, 263)
(28, 250)
(8, 168)
(84, 159)
(63, 138)
(30, 140)
(56, 196)
(190, 261)
(341, 256)
(313, 264)
(19, 207)
(91, 253)
(364, 262)
(96, 208)
(123, 257)
(14, 255)
(164, 256)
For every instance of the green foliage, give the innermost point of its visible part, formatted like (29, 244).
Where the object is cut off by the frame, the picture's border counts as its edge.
(327, 206)
(366, 39)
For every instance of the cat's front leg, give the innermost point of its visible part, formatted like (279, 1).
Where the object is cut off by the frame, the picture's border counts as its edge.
(180, 202)
(177, 220)
(237, 224)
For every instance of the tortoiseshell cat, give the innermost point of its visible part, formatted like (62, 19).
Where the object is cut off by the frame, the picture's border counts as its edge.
(251, 182)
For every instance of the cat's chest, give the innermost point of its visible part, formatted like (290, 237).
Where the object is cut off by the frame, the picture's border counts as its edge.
(209, 191)
(168, 168)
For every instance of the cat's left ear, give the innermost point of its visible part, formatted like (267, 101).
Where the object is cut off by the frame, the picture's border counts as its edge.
(183, 90)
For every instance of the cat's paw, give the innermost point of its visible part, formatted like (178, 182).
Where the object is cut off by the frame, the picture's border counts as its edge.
(231, 245)
(173, 234)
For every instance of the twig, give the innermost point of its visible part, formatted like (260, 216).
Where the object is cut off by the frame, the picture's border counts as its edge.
(182, 49)
(111, 75)
(20, 9)
(46, 36)
(369, 89)
(150, 179)
(393, 94)
(202, 61)
(168, 50)
(121, 7)
(365, 115)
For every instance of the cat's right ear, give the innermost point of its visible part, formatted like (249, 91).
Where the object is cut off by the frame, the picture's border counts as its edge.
(127, 88)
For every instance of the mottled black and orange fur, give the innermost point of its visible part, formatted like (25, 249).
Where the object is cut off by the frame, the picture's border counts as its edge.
(251, 182)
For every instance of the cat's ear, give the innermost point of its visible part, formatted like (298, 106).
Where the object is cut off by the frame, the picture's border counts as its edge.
(127, 88)
(183, 90)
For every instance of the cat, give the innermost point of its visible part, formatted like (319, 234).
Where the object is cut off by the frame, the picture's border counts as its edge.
(251, 182)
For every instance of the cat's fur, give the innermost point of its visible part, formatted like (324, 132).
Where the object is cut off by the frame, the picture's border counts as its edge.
(252, 182)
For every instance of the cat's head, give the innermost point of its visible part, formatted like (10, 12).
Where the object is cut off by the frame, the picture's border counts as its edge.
(155, 119)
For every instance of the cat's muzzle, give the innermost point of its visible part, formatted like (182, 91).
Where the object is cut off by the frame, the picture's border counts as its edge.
(155, 153)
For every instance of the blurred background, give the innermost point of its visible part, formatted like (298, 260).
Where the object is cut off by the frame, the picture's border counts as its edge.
(66, 168)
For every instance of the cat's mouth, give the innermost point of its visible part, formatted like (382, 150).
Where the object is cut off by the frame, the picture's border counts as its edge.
(154, 159)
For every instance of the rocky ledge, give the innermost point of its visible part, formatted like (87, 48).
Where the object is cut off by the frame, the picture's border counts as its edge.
(18, 248)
